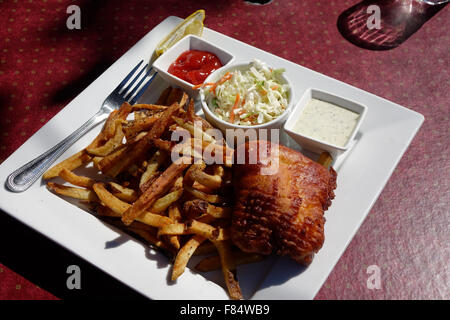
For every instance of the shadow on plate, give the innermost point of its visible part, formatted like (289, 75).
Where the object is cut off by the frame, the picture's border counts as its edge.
(161, 257)
(286, 269)
(44, 263)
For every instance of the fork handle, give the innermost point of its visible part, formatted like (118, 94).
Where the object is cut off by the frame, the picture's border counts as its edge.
(21, 179)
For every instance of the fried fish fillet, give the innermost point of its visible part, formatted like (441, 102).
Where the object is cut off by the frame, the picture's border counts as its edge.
(282, 212)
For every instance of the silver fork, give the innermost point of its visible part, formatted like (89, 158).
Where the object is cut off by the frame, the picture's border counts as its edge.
(21, 179)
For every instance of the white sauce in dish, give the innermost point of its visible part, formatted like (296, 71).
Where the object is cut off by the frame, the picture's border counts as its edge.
(326, 122)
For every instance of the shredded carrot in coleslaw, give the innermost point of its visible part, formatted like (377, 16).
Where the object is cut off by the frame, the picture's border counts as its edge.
(263, 93)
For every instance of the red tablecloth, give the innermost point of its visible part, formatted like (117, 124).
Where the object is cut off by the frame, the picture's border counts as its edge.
(44, 65)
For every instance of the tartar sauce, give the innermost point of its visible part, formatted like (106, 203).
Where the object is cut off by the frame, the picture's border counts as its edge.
(326, 122)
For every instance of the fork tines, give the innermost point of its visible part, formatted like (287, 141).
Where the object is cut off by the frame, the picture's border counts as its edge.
(131, 92)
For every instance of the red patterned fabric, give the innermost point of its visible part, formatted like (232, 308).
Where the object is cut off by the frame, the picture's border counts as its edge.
(44, 65)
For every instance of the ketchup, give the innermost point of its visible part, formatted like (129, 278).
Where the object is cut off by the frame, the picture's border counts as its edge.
(194, 66)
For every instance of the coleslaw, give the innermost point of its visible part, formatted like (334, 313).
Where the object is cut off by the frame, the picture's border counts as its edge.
(248, 97)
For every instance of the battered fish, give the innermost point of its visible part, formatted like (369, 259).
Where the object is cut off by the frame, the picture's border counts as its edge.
(282, 212)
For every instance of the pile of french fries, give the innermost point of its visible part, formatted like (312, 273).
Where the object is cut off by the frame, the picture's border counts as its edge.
(180, 207)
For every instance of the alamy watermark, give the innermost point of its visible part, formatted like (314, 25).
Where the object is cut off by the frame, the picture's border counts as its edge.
(74, 280)
(374, 279)
(374, 20)
(74, 20)
(212, 147)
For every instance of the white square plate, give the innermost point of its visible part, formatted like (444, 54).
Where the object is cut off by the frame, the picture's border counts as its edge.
(383, 138)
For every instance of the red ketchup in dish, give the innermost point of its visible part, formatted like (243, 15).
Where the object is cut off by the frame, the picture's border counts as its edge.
(194, 66)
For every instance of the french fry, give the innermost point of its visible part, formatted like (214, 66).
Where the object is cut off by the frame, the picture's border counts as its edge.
(109, 200)
(219, 171)
(139, 115)
(191, 111)
(110, 161)
(198, 207)
(195, 227)
(71, 163)
(152, 166)
(210, 181)
(111, 145)
(194, 130)
(188, 181)
(96, 161)
(136, 138)
(185, 254)
(205, 124)
(212, 198)
(98, 140)
(172, 229)
(154, 220)
(178, 184)
(118, 206)
(153, 107)
(124, 110)
(229, 269)
(108, 128)
(220, 151)
(119, 188)
(174, 214)
(76, 180)
(163, 144)
(204, 189)
(82, 157)
(187, 149)
(123, 193)
(143, 145)
(218, 212)
(73, 192)
(240, 257)
(163, 203)
(149, 182)
(140, 125)
(215, 150)
(207, 230)
(154, 191)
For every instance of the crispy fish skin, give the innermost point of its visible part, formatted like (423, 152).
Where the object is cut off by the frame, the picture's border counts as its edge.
(282, 212)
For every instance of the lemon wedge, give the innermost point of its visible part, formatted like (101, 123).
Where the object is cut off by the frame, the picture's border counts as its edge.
(191, 25)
